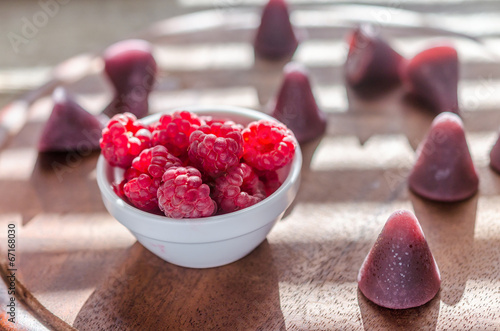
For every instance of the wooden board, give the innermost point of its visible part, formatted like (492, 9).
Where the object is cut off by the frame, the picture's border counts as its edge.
(79, 268)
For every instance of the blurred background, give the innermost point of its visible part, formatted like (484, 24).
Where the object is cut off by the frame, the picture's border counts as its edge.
(38, 34)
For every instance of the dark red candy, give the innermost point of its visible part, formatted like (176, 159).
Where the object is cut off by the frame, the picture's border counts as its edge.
(432, 77)
(444, 170)
(400, 271)
(371, 61)
(296, 107)
(131, 68)
(69, 127)
(275, 38)
(495, 156)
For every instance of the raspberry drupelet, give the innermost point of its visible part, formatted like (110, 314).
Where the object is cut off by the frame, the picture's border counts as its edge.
(267, 145)
(184, 195)
(216, 147)
(238, 188)
(173, 131)
(123, 139)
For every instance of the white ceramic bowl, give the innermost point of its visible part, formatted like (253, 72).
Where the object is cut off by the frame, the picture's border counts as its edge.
(210, 241)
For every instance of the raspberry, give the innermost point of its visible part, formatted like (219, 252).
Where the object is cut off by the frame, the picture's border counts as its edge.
(142, 179)
(118, 189)
(238, 188)
(123, 139)
(155, 160)
(268, 145)
(129, 174)
(142, 192)
(173, 131)
(183, 194)
(215, 148)
(271, 181)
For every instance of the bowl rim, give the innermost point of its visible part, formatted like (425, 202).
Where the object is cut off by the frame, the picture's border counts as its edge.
(293, 175)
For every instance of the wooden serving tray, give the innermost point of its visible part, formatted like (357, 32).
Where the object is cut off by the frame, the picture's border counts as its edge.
(79, 268)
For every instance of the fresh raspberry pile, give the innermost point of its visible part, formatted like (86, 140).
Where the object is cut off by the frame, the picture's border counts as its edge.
(186, 166)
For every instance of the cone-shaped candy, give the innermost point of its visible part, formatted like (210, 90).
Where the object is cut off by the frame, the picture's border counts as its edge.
(400, 272)
(495, 156)
(69, 127)
(275, 38)
(296, 106)
(371, 62)
(131, 68)
(432, 77)
(444, 170)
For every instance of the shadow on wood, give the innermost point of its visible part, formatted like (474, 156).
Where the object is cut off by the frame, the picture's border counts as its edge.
(145, 292)
(64, 183)
(449, 229)
(380, 111)
(417, 120)
(307, 150)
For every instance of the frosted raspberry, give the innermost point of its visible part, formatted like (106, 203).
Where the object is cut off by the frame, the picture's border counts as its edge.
(183, 194)
(123, 139)
(141, 191)
(155, 160)
(173, 131)
(268, 145)
(238, 188)
(215, 148)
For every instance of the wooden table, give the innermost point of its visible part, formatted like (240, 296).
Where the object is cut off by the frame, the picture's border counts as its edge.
(79, 268)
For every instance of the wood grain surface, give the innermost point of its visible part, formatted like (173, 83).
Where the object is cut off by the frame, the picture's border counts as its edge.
(79, 268)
